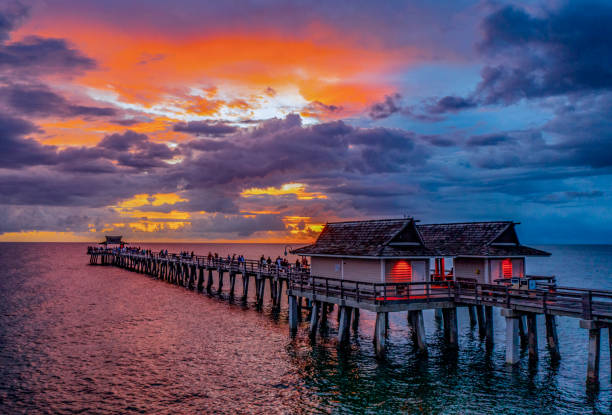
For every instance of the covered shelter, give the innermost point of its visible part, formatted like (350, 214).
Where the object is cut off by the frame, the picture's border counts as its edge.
(376, 251)
(483, 251)
(400, 250)
(113, 240)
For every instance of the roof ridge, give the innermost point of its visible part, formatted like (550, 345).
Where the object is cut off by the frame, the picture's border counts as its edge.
(371, 220)
(466, 223)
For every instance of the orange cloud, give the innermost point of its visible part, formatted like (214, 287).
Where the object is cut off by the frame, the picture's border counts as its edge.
(297, 189)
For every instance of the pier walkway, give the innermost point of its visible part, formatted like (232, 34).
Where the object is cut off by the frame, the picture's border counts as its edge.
(519, 306)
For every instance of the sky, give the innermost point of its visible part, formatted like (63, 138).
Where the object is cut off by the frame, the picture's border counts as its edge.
(260, 121)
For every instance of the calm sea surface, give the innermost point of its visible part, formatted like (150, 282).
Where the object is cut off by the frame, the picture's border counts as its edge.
(76, 338)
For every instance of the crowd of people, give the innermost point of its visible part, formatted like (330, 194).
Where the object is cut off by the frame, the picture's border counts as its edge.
(211, 258)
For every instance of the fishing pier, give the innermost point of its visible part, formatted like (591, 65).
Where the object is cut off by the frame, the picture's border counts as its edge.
(385, 267)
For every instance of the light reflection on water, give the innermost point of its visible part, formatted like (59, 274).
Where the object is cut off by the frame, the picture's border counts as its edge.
(80, 338)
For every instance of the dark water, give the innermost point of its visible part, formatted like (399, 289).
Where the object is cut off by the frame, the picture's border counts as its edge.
(76, 338)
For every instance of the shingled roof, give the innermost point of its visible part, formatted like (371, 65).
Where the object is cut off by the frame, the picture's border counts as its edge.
(385, 237)
(113, 240)
(403, 238)
(475, 239)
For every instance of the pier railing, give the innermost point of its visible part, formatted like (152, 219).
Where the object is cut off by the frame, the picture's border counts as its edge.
(569, 301)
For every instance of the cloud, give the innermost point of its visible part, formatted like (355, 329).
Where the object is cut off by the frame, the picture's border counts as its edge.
(16, 151)
(39, 100)
(451, 104)
(564, 51)
(389, 106)
(11, 15)
(207, 128)
(37, 56)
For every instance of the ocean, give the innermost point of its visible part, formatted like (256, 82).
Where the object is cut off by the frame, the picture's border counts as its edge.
(76, 338)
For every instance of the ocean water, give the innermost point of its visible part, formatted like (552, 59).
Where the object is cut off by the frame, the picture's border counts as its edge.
(76, 338)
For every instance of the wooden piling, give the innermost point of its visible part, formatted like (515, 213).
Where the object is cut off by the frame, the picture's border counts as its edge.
(551, 336)
(522, 330)
(200, 279)
(532, 335)
(482, 329)
(418, 329)
(232, 278)
(293, 311)
(489, 325)
(209, 284)
(344, 326)
(220, 286)
(472, 313)
(593, 360)
(512, 335)
(453, 332)
(245, 287)
(355, 319)
(314, 318)
(380, 340)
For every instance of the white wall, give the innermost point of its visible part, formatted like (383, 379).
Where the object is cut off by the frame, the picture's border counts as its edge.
(367, 270)
(325, 267)
(470, 268)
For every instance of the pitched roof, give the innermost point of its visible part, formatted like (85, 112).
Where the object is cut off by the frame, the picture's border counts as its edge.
(386, 237)
(475, 239)
(403, 238)
(113, 240)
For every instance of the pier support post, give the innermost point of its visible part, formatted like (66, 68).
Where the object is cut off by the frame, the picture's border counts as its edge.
(551, 336)
(438, 315)
(355, 319)
(472, 313)
(232, 278)
(200, 279)
(532, 335)
(261, 291)
(417, 325)
(279, 293)
(522, 330)
(314, 318)
(220, 288)
(344, 326)
(245, 287)
(209, 284)
(594, 328)
(293, 311)
(323, 319)
(512, 335)
(380, 340)
(453, 332)
(192, 277)
(489, 325)
(482, 330)
(299, 308)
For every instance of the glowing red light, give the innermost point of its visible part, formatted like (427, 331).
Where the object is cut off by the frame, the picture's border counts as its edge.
(507, 268)
(401, 271)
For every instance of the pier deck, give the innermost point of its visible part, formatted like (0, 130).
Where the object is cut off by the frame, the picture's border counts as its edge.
(592, 307)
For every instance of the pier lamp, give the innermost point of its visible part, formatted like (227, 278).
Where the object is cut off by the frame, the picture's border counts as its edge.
(290, 248)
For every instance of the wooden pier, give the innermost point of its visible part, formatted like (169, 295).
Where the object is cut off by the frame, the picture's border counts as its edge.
(520, 307)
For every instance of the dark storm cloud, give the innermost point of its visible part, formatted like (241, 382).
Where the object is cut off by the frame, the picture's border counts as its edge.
(135, 150)
(35, 56)
(11, 15)
(16, 151)
(207, 128)
(564, 51)
(283, 149)
(40, 101)
(451, 104)
(389, 106)
(319, 108)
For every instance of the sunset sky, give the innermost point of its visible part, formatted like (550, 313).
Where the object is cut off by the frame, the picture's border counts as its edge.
(261, 120)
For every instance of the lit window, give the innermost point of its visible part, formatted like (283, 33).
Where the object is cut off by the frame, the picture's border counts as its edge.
(507, 268)
(401, 271)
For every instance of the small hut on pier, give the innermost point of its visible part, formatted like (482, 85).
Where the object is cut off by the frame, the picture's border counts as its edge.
(484, 251)
(387, 250)
(400, 250)
(113, 241)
